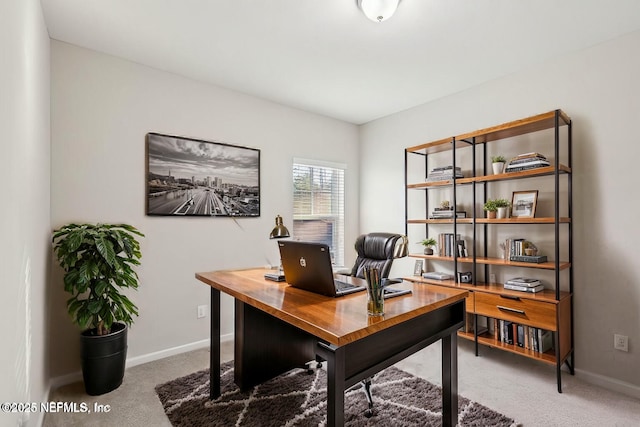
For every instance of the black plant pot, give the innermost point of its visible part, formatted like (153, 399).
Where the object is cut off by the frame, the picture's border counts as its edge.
(103, 359)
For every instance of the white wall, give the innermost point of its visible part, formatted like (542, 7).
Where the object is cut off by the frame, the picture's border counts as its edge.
(599, 88)
(102, 107)
(24, 215)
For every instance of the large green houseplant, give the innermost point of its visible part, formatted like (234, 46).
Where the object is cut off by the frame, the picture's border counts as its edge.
(98, 261)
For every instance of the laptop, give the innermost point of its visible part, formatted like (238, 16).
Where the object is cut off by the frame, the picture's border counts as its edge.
(307, 266)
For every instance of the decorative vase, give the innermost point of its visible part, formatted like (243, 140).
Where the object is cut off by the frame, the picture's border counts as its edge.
(497, 167)
(502, 213)
(491, 214)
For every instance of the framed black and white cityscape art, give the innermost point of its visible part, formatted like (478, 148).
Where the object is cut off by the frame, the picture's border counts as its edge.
(193, 177)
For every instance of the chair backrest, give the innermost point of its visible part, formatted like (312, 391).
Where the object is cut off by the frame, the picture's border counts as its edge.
(376, 250)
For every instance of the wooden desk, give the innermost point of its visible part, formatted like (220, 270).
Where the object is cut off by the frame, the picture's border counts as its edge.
(278, 327)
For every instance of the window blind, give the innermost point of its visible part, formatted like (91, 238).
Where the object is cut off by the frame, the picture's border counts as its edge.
(318, 205)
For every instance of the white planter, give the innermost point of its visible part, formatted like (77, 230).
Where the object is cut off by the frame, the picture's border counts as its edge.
(497, 167)
(501, 213)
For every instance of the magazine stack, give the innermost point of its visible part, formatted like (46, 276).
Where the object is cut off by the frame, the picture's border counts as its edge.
(524, 284)
(444, 173)
(446, 213)
(527, 161)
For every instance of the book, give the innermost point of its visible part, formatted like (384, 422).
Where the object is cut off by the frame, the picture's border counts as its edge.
(445, 177)
(523, 281)
(444, 168)
(532, 289)
(447, 214)
(508, 332)
(529, 258)
(524, 285)
(446, 244)
(437, 275)
(534, 339)
(520, 339)
(461, 248)
(535, 163)
(515, 247)
(519, 168)
(527, 155)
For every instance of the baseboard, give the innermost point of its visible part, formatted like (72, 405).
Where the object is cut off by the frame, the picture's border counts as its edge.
(609, 383)
(139, 360)
(63, 380)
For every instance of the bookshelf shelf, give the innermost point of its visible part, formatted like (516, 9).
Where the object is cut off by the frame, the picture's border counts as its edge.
(549, 311)
(549, 170)
(562, 220)
(496, 261)
(548, 357)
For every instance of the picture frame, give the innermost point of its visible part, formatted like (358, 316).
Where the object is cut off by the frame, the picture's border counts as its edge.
(417, 269)
(523, 204)
(194, 177)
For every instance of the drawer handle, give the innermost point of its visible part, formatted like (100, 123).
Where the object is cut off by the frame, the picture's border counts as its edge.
(513, 310)
(510, 297)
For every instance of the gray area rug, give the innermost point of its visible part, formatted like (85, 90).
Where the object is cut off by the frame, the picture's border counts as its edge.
(298, 398)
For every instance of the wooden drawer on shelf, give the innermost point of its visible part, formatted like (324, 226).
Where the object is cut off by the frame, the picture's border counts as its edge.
(520, 310)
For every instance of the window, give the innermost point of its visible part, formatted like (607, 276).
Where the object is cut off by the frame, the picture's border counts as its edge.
(318, 205)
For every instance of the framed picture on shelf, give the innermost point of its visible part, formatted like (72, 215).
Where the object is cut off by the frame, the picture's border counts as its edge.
(523, 204)
(417, 270)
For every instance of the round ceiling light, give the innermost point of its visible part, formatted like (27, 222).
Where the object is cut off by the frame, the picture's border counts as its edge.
(378, 10)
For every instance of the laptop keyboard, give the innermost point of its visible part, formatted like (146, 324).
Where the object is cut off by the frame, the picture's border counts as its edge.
(340, 286)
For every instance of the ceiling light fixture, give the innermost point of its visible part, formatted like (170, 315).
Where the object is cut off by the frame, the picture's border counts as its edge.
(378, 10)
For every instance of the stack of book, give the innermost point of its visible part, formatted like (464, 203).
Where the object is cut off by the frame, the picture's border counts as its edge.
(448, 245)
(515, 252)
(528, 337)
(524, 284)
(446, 213)
(527, 161)
(444, 173)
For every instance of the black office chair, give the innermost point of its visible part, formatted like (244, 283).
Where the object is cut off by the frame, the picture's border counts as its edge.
(377, 250)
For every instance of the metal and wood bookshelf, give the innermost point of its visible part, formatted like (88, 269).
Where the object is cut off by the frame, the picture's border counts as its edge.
(551, 309)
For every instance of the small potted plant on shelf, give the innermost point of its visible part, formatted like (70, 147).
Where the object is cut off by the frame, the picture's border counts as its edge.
(491, 208)
(428, 244)
(497, 162)
(98, 263)
(501, 205)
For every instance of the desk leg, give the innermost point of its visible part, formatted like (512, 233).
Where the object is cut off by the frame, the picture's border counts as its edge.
(450, 380)
(335, 387)
(214, 353)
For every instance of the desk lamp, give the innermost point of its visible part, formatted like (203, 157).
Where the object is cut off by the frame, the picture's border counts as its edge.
(278, 232)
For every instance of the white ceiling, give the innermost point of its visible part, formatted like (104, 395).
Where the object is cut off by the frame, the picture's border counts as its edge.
(324, 56)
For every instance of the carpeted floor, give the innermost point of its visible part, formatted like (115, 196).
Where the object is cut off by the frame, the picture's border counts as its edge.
(298, 398)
